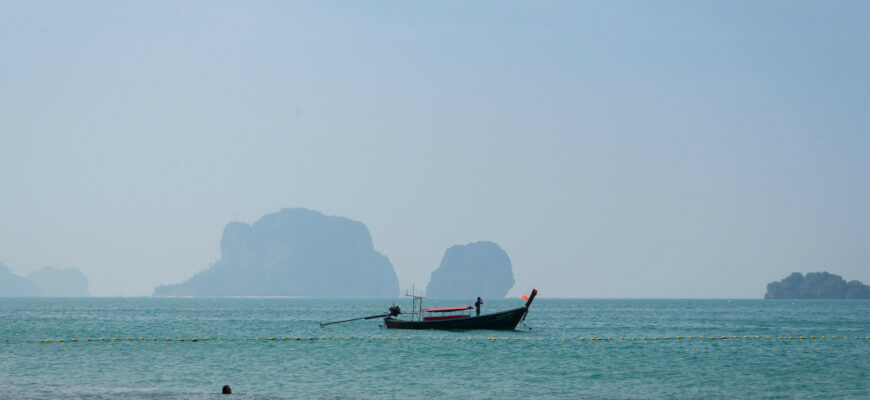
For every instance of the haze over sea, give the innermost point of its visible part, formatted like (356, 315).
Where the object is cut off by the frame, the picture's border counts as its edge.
(359, 360)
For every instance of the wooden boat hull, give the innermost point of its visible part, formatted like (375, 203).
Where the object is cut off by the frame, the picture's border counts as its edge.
(505, 320)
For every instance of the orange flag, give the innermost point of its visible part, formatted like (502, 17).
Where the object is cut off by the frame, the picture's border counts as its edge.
(525, 297)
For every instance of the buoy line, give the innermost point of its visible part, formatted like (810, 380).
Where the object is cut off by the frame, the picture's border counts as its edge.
(357, 338)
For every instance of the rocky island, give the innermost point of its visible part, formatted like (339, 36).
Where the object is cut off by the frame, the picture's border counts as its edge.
(294, 252)
(816, 285)
(45, 282)
(476, 269)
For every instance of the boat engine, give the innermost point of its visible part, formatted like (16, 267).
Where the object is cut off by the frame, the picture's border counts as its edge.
(395, 311)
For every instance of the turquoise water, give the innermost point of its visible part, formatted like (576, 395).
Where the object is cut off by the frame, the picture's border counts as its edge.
(432, 364)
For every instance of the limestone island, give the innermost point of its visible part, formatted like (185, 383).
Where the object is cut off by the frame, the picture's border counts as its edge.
(294, 252)
(816, 285)
(476, 269)
(45, 282)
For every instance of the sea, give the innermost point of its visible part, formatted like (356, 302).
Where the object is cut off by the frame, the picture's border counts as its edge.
(275, 348)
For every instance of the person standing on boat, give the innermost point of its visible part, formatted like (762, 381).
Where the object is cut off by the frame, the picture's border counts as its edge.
(477, 305)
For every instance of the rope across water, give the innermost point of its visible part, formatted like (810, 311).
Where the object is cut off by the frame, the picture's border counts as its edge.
(349, 338)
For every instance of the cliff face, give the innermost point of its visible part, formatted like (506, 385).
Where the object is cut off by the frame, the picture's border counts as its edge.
(294, 252)
(816, 285)
(476, 269)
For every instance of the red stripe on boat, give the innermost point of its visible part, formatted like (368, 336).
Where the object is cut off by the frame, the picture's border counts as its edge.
(446, 309)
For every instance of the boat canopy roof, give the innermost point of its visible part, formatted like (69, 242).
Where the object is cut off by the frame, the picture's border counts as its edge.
(447, 309)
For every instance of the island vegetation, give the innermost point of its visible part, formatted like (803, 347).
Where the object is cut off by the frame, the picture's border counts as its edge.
(816, 285)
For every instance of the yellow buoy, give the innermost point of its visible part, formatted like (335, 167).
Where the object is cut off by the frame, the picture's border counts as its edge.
(74, 340)
(194, 340)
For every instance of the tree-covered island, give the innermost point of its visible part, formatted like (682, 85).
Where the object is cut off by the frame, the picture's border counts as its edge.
(816, 285)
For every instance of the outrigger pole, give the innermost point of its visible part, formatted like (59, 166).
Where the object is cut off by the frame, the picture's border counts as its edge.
(394, 311)
(384, 315)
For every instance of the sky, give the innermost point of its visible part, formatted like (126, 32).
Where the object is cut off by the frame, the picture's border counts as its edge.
(615, 149)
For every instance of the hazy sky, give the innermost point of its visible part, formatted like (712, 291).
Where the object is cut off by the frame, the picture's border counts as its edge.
(613, 149)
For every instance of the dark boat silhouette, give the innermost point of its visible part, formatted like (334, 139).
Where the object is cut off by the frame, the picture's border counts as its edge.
(446, 317)
(504, 320)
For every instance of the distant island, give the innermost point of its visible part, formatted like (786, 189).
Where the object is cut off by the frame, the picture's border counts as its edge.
(294, 252)
(45, 282)
(476, 269)
(816, 285)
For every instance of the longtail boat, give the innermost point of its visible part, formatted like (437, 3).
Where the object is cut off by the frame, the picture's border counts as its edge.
(450, 317)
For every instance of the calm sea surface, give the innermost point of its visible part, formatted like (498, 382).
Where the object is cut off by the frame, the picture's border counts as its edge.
(359, 360)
